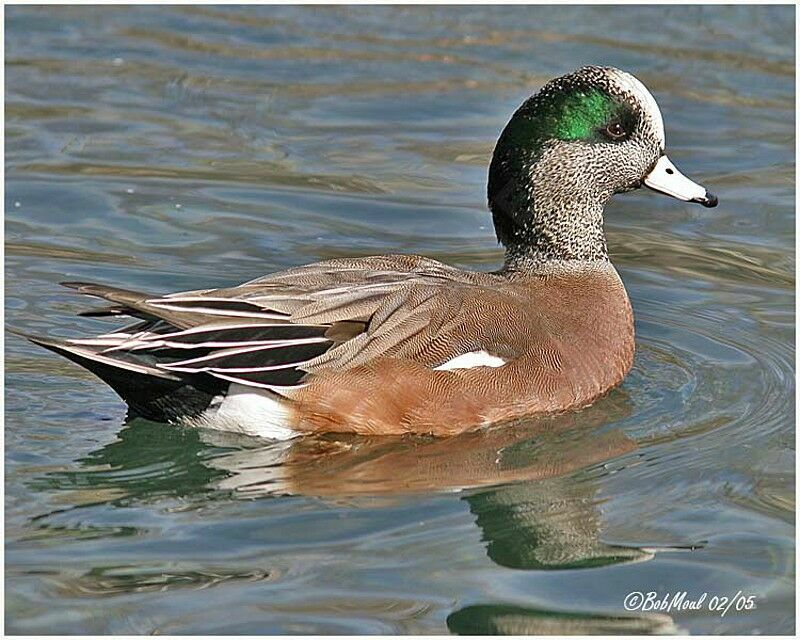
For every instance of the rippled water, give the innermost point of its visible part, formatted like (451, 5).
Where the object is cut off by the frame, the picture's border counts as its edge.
(169, 148)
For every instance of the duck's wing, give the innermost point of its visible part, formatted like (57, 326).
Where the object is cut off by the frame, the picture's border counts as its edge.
(274, 331)
(404, 305)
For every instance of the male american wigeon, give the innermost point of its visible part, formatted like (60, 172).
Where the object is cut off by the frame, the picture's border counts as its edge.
(397, 343)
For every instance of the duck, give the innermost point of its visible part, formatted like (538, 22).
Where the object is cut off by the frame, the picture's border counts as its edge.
(405, 344)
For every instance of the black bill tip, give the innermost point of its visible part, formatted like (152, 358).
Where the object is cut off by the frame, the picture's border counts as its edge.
(709, 200)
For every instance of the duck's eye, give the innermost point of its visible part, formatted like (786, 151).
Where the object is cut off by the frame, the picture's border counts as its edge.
(615, 131)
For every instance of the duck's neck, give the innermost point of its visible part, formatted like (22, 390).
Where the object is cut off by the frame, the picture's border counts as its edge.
(557, 232)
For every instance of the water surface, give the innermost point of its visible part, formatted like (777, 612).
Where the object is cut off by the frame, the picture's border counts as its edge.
(169, 148)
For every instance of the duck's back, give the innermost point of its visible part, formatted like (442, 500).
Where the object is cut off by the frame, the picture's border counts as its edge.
(389, 344)
(538, 343)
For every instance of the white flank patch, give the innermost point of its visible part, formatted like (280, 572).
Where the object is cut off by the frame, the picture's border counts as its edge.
(470, 360)
(635, 86)
(249, 411)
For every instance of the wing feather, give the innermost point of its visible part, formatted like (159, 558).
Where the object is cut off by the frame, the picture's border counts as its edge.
(273, 331)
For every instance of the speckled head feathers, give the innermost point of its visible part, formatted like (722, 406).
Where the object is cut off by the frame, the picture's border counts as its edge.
(582, 138)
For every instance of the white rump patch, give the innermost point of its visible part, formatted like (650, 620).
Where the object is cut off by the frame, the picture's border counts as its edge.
(249, 411)
(470, 360)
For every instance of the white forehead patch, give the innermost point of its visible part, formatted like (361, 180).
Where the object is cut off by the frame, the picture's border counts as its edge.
(632, 85)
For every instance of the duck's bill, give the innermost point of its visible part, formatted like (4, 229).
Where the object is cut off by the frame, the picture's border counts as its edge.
(664, 177)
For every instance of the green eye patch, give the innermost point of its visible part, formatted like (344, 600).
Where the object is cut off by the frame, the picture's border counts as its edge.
(580, 114)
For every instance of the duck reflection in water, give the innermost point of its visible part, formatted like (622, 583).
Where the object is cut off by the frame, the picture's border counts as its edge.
(518, 480)
(534, 510)
(521, 482)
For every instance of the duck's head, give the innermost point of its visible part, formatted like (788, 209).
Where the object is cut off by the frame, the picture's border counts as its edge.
(566, 151)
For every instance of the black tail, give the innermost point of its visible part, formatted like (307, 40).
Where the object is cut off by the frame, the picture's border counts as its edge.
(151, 393)
(186, 349)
